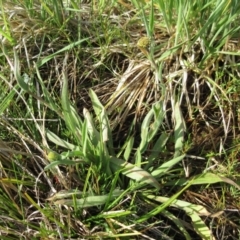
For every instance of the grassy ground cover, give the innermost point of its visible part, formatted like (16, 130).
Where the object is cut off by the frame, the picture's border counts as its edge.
(119, 119)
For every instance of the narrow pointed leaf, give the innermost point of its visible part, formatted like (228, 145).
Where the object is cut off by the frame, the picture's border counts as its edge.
(128, 148)
(166, 166)
(89, 201)
(133, 172)
(58, 141)
(179, 130)
(93, 133)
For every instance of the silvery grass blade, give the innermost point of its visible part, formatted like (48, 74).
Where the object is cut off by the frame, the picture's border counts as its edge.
(133, 172)
(194, 211)
(179, 130)
(71, 117)
(91, 142)
(113, 214)
(138, 158)
(60, 142)
(96, 141)
(93, 134)
(89, 201)
(63, 194)
(85, 139)
(159, 115)
(150, 125)
(103, 120)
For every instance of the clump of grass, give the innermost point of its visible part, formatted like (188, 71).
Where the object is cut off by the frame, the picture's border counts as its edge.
(158, 74)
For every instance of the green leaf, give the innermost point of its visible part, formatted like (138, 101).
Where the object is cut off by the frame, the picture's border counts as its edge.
(71, 117)
(58, 141)
(92, 131)
(157, 149)
(7, 100)
(48, 100)
(145, 131)
(159, 115)
(89, 201)
(138, 158)
(85, 139)
(103, 119)
(17, 75)
(148, 131)
(165, 167)
(178, 222)
(162, 207)
(62, 162)
(136, 173)
(65, 49)
(193, 210)
(106, 132)
(204, 178)
(179, 130)
(129, 147)
(97, 106)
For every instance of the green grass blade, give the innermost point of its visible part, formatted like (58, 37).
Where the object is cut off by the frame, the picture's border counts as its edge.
(49, 101)
(145, 130)
(178, 222)
(89, 201)
(204, 178)
(159, 115)
(179, 130)
(17, 75)
(128, 149)
(97, 106)
(71, 117)
(166, 166)
(193, 210)
(133, 172)
(138, 158)
(5, 101)
(63, 50)
(157, 149)
(103, 119)
(163, 206)
(106, 132)
(65, 162)
(92, 131)
(58, 141)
